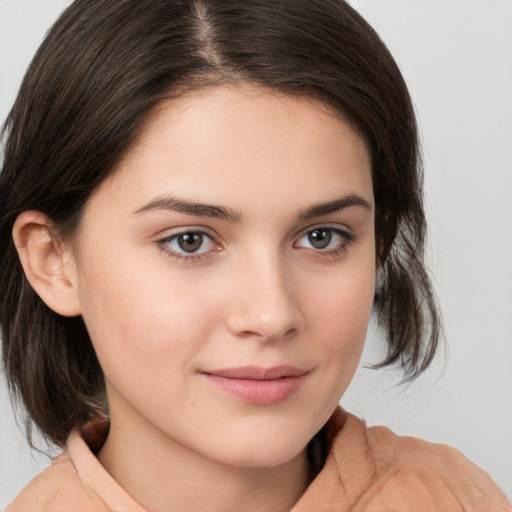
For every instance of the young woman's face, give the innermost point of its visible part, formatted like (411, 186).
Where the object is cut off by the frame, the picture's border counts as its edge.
(226, 274)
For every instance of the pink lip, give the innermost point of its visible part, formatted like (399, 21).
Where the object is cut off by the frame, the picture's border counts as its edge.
(257, 385)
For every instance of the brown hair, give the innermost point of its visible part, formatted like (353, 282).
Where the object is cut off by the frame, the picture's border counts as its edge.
(98, 75)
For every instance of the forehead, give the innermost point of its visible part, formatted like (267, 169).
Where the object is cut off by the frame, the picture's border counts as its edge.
(233, 143)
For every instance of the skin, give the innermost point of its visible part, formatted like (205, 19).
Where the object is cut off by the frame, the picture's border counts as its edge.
(256, 292)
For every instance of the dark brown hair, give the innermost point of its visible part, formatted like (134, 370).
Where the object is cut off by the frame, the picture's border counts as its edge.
(101, 71)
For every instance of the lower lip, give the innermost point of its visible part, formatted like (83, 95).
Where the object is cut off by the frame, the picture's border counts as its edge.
(259, 392)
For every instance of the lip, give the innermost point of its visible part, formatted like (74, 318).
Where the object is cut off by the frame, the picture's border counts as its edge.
(258, 385)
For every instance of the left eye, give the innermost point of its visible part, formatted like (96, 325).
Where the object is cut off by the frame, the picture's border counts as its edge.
(323, 239)
(189, 242)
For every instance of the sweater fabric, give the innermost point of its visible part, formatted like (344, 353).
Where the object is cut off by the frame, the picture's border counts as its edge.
(368, 469)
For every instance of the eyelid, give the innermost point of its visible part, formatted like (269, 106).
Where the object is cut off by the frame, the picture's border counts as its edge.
(162, 243)
(341, 230)
(168, 233)
(336, 253)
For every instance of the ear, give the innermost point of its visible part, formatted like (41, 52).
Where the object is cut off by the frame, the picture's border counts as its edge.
(48, 264)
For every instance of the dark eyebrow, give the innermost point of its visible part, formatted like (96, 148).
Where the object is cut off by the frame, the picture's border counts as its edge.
(220, 212)
(192, 208)
(335, 206)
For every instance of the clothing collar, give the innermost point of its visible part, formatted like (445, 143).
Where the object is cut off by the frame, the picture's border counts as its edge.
(348, 470)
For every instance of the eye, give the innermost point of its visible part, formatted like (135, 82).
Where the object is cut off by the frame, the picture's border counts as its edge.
(187, 243)
(325, 239)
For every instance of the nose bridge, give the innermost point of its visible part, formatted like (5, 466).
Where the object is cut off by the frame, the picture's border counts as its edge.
(265, 304)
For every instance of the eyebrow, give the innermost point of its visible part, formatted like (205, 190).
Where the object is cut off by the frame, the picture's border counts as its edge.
(206, 210)
(192, 208)
(335, 206)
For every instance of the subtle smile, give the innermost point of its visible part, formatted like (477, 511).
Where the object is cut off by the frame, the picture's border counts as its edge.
(257, 385)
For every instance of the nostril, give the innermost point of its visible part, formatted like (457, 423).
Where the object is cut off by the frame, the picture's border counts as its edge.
(268, 335)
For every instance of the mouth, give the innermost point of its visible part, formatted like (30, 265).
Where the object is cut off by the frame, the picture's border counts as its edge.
(258, 385)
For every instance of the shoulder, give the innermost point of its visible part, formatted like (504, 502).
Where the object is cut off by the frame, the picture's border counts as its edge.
(76, 481)
(430, 476)
(57, 488)
(375, 470)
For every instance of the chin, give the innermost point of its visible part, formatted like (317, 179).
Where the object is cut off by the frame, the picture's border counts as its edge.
(269, 459)
(264, 452)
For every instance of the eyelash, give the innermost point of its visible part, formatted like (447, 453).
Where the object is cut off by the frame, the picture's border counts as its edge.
(184, 257)
(345, 240)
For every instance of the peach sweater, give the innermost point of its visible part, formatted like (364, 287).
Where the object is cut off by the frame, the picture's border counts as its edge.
(367, 469)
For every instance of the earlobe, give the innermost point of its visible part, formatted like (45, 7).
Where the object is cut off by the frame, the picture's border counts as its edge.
(49, 266)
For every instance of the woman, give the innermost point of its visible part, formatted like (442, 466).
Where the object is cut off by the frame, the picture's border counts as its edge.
(201, 204)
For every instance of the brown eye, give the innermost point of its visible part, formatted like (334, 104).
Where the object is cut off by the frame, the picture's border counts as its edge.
(190, 242)
(187, 243)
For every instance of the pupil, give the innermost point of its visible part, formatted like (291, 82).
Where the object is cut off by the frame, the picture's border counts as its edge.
(190, 242)
(320, 238)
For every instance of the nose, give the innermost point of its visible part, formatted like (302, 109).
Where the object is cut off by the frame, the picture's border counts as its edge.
(265, 302)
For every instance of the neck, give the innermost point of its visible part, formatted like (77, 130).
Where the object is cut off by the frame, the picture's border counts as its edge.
(164, 476)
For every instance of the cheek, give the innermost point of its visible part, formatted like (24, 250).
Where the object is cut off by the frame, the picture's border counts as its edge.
(138, 312)
(341, 308)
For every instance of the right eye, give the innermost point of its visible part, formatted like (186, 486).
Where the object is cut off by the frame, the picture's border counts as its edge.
(187, 244)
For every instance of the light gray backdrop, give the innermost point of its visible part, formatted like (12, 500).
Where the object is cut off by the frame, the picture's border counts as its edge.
(456, 56)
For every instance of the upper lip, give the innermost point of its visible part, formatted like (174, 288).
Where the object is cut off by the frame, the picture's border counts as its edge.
(258, 372)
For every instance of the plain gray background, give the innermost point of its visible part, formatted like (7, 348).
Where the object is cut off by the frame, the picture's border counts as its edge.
(456, 56)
